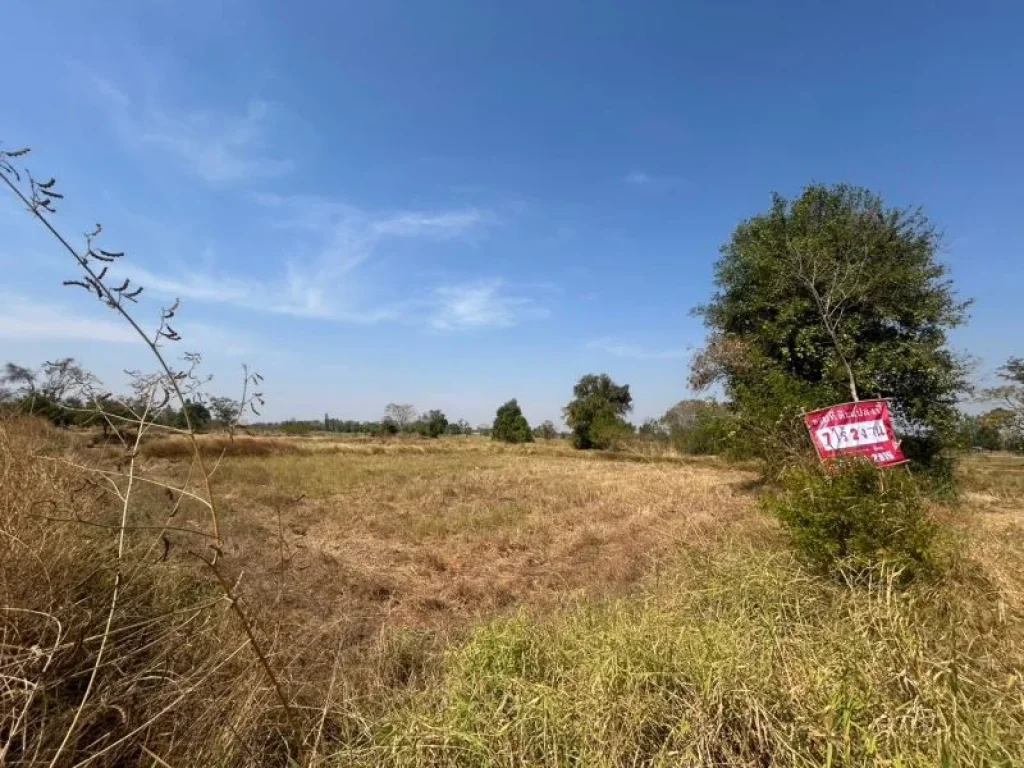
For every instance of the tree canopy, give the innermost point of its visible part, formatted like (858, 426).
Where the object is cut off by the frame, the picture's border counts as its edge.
(399, 415)
(833, 297)
(510, 425)
(433, 423)
(546, 431)
(596, 413)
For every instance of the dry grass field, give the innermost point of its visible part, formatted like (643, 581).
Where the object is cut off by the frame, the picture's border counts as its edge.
(461, 602)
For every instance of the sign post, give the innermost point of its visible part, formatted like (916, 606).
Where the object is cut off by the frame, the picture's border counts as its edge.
(863, 428)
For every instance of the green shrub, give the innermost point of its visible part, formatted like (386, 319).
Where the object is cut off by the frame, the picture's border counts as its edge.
(851, 517)
(605, 431)
(701, 428)
(510, 426)
(432, 424)
(596, 414)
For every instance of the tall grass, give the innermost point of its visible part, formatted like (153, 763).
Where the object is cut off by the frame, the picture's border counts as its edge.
(744, 662)
(168, 673)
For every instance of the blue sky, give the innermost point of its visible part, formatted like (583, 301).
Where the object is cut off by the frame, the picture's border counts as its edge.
(452, 204)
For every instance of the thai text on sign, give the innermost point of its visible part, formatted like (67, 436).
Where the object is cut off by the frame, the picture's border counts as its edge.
(855, 429)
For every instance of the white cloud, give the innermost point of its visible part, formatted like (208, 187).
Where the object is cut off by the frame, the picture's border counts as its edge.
(23, 320)
(638, 177)
(482, 304)
(295, 295)
(620, 349)
(216, 146)
(643, 179)
(338, 238)
(446, 224)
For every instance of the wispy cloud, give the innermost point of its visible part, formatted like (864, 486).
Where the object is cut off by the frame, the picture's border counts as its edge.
(638, 178)
(333, 240)
(215, 145)
(618, 348)
(24, 320)
(297, 294)
(481, 304)
(445, 224)
(223, 340)
(653, 181)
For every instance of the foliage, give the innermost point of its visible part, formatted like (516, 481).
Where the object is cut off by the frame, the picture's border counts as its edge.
(432, 424)
(546, 431)
(198, 415)
(595, 414)
(995, 430)
(346, 426)
(828, 297)
(510, 426)
(653, 429)
(401, 415)
(460, 427)
(225, 410)
(850, 517)
(1010, 395)
(701, 428)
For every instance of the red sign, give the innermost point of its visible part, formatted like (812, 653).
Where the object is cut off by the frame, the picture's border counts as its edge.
(855, 429)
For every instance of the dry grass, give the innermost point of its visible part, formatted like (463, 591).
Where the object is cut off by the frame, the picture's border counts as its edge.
(461, 602)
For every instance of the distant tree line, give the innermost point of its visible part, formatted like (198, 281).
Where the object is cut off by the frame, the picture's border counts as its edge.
(67, 395)
(595, 416)
(1000, 428)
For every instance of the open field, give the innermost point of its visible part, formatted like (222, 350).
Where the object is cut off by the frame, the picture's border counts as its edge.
(460, 602)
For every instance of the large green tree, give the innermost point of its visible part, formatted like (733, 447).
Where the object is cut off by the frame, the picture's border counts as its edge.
(830, 297)
(510, 425)
(596, 413)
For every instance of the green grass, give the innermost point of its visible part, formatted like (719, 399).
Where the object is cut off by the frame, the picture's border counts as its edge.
(749, 662)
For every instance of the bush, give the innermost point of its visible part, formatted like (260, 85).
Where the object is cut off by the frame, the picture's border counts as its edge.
(546, 431)
(596, 413)
(700, 428)
(432, 424)
(851, 517)
(510, 426)
(606, 430)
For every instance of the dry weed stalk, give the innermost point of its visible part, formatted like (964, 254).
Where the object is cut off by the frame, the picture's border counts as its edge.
(130, 421)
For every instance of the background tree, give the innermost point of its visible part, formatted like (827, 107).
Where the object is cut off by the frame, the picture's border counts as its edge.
(1007, 419)
(460, 427)
(700, 427)
(989, 431)
(546, 431)
(433, 424)
(402, 415)
(198, 416)
(832, 297)
(653, 429)
(50, 392)
(1011, 394)
(595, 414)
(20, 383)
(510, 425)
(224, 410)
